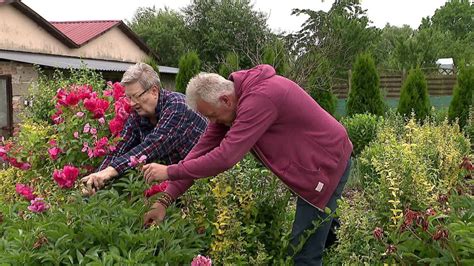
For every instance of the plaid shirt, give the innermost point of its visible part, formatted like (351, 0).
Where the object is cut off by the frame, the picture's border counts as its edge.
(177, 131)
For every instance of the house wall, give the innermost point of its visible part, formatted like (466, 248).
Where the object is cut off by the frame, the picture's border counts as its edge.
(112, 45)
(22, 75)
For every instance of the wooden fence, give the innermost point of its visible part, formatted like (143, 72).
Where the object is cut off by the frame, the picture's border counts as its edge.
(391, 83)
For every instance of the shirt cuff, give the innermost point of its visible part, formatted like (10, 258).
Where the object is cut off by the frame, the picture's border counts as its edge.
(173, 171)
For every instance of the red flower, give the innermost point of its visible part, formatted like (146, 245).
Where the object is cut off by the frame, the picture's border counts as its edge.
(440, 234)
(54, 152)
(200, 260)
(378, 233)
(390, 249)
(118, 90)
(156, 188)
(71, 99)
(25, 191)
(66, 177)
(116, 126)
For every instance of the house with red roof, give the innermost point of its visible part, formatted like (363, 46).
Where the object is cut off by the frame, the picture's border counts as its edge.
(28, 40)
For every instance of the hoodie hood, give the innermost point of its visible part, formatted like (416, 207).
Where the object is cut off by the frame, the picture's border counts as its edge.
(246, 79)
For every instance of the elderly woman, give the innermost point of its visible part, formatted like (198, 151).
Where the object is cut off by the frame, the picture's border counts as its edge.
(161, 126)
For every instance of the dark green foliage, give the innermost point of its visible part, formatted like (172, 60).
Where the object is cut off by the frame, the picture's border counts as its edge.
(414, 95)
(462, 96)
(319, 87)
(163, 31)
(362, 129)
(217, 27)
(365, 95)
(106, 229)
(189, 66)
(42, 94)
(276, 54)
(230, 64)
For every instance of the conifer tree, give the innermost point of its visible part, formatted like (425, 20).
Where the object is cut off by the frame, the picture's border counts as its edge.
(414, 95)
(462, 96)
(189, 66)
(365, 95)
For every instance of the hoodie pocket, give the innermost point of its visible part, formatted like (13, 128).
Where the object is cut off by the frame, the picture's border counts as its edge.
(301, 178)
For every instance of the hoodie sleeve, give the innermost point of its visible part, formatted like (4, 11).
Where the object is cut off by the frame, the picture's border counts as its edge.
(208, 141)
(255, 114)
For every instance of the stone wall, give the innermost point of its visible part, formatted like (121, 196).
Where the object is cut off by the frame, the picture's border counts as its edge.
(22, 76)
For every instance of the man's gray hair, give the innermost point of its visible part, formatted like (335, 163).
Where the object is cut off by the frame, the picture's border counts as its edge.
(143, 74)
(207, 87)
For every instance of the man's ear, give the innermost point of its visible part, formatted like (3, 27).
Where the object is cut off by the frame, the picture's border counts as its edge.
(155, 90)
(226, 100)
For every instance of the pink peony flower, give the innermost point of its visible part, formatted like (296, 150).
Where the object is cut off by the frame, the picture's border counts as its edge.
(101, 120)
(66, 177)
(54, 152)
(93, 131)
(38, 205)
(76, 134)
(134, 161)
(79, 114)
(25, 166)
(96, 106)
(87, 128)
(156, 188)
(201, 261)
(85, 146)
(25, 191)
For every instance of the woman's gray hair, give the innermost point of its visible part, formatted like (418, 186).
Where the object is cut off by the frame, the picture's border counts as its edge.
(207, 87)
(143, 74)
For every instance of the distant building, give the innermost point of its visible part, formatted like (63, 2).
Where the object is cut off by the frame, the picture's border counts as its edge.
(27, 39)
(446, 66)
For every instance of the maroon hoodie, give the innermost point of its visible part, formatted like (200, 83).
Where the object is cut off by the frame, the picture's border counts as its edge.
(288, 131)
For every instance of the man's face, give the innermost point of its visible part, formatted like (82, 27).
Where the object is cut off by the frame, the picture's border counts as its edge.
(143, 102)
(222, 113)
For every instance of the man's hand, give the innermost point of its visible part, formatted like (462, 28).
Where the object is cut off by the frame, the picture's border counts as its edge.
(155, 215)
(96, 181)
(155, 172)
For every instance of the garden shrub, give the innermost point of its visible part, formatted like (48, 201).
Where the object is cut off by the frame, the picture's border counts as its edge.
(414, 95)
(463, 96)
(230, 64)
(275, 54)
(365, 95)
(106, 229)
(247, 212)
(189, 66)
(43, 91)
(319, 88)
(362, 129)
(404, 175)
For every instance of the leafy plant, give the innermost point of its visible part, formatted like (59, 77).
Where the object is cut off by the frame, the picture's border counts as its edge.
(463, 96)
(414, 95)
(189, 66)
(365, 95)
(362, 129)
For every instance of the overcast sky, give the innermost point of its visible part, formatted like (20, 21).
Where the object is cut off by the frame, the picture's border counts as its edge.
(380, 12)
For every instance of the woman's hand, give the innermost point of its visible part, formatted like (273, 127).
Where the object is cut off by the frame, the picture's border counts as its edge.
(155, 172)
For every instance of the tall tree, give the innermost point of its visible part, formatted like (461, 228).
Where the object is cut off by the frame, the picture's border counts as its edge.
(276, 54)
(230, 64)
(365, 95)
(220, 26)
(414, 95)
(339, 34)
(189, 66)
(163, 31)
(462, 96)
(456, 16)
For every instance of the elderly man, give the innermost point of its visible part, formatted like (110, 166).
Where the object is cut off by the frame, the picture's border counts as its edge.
(161, 126)
(257, 110)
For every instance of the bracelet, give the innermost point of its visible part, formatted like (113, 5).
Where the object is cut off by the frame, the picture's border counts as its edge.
(165, 199)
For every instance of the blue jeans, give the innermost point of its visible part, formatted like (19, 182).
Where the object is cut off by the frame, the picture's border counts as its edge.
(312, 251)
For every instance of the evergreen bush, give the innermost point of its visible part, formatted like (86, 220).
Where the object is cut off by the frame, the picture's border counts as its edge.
(462, 96)
(414, 95)
(189, 66)
(365, 95)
